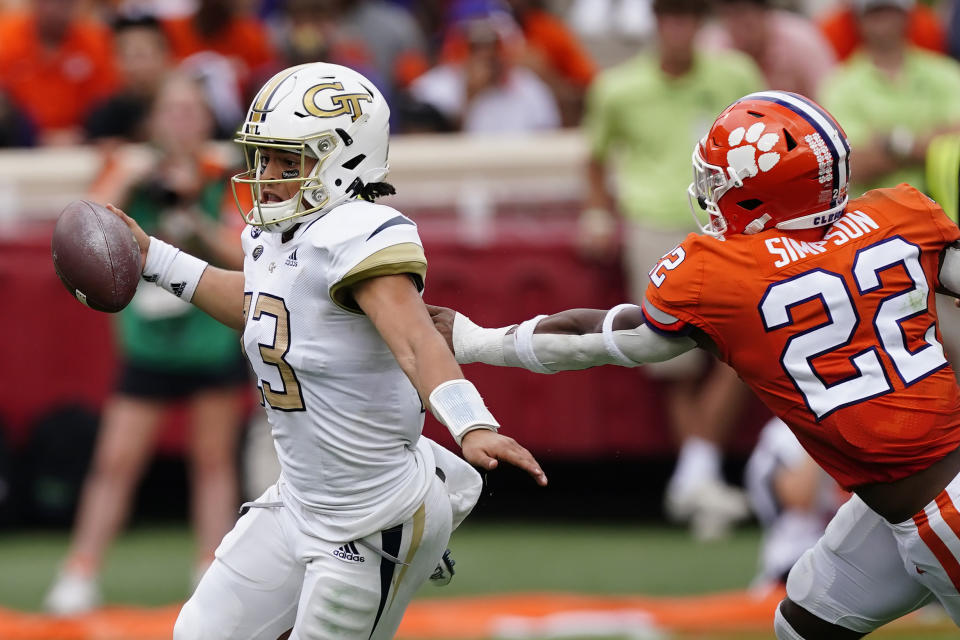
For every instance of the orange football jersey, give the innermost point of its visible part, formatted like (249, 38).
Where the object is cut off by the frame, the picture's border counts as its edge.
(833, 327)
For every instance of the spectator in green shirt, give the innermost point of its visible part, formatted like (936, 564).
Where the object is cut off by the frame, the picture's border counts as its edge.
(894, 100)
(172, 353)
(642, 120)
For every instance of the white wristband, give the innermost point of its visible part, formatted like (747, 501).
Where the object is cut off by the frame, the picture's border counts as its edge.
(612, 349)
(473, 343)
(458, 405)
(176, 271)
(523, 342)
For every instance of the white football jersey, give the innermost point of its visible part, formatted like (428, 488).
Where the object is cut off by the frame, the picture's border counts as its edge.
(345, 418)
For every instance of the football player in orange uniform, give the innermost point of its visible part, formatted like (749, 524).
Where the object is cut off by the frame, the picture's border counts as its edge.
(825, 308)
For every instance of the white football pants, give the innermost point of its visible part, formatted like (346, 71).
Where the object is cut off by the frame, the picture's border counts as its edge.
(269, 576)
(865, 572)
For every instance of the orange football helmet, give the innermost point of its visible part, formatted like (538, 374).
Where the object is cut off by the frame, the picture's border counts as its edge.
(771, 158)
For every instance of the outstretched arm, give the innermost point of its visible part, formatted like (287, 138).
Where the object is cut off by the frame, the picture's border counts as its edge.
(585, 321)
(219, 292)
(394, 306)
(569, 340)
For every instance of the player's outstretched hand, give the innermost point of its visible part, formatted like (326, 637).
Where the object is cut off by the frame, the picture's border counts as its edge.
(485, 448)
(443, 321)
(143, 240)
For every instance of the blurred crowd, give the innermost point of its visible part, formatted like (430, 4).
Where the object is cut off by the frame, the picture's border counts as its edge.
(84, 70)
(643, 79)
(74, 71)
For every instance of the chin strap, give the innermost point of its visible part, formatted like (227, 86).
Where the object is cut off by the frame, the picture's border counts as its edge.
(757, 225)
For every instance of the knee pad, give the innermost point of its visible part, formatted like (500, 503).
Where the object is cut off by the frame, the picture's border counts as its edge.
(854, 576)
(783, 629)
(337, 610)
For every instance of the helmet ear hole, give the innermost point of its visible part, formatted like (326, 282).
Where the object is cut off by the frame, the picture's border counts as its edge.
(750, 204)
(791, 143)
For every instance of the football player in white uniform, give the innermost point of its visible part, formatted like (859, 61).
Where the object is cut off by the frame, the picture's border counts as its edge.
(792, 497)
(346, 358)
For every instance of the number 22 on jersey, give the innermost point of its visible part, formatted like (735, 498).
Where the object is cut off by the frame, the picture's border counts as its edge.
(871, 378)
(668, 262)
(273, 355)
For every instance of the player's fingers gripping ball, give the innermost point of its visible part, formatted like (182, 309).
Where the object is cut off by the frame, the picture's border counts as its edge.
(143, 240)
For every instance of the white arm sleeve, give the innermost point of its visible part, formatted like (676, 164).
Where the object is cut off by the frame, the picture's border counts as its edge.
(473, 343)
(949, 270)
(562, 352)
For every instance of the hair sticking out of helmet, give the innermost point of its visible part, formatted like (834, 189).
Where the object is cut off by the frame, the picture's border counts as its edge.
(335, 123)
(771, 159)
(373, 190)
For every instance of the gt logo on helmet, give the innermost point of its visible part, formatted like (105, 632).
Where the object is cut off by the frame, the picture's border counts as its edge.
(344, 103)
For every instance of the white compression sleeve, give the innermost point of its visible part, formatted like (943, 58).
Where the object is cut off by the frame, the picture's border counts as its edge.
(563, 352)
(473, 343)
(950, 269)
(524, 349)
(610, 341)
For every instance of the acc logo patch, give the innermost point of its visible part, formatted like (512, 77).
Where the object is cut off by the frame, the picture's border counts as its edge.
(258, 251)
(343, 103)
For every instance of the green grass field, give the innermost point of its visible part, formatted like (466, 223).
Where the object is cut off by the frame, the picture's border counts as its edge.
(151, 565)
(490, 558)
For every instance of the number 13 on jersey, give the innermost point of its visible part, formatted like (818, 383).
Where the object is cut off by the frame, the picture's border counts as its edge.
(273, 354)
(870, 377)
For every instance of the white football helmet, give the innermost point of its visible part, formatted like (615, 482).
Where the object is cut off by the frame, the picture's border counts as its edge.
(317, 110)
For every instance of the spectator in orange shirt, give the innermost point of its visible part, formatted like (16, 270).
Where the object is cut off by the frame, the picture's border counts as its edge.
(555, 53)
(842, 28)
(549, 48)
(219, 26)
(54, 66)
(487, 91)
(550, 37)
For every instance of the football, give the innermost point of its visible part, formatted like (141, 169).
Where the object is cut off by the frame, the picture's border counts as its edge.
(96, 256)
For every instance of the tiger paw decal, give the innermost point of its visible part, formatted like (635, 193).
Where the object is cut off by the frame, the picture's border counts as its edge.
(744, 159)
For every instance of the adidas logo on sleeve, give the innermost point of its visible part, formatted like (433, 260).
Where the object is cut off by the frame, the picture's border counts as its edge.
(348, 553)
